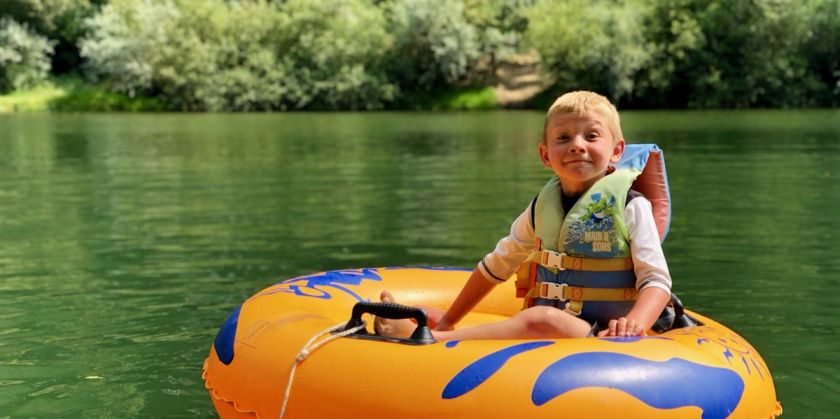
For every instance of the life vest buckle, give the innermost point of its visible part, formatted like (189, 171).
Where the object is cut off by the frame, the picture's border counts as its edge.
(552, 291)
(570, 308)
(553, 259)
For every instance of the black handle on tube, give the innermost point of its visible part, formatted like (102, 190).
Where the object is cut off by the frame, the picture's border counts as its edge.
(421, 335)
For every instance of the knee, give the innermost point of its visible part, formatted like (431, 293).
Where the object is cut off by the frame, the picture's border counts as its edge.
(543, 318)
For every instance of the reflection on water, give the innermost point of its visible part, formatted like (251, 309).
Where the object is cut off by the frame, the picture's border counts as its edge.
(128, 239)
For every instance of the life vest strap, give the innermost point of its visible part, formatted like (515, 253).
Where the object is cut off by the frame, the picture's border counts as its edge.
(553, 291)
(562, 261)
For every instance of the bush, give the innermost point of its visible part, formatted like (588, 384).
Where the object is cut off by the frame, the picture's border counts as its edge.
(24, 56)
(822, 50)
(727, 54)
(334, 53)
(249, 55)
(596, 46)
(499, 24)
(434, 46)
(92, 99)
(58, 20)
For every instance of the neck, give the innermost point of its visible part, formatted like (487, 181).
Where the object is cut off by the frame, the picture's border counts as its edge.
(568, 201)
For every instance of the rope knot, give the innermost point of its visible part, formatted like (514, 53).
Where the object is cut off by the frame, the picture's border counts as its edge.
(302, 355)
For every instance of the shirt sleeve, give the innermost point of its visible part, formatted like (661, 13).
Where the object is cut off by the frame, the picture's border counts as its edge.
(511, 251)
(648, 259)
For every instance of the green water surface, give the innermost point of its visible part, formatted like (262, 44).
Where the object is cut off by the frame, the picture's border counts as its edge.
(126, 240)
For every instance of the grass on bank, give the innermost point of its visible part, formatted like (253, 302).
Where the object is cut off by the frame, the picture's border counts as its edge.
(33, 100)
(72, 95)
(475, 98)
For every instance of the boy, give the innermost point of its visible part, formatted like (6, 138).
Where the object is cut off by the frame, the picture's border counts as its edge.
(587, 211)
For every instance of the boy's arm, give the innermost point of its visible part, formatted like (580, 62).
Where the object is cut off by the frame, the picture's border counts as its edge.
(653, 278)
(651, 302)
(476, 288)
(498, 265)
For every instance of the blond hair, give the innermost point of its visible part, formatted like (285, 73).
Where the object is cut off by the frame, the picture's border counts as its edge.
(585, 103)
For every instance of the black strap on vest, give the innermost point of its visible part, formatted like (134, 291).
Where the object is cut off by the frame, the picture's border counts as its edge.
(533, 204)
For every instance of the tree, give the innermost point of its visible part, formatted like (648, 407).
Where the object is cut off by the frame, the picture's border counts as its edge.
(24, 56)
(593, 45)
(58, 20)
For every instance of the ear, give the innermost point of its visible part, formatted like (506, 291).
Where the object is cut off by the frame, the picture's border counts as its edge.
(544, 156)
(618, 151)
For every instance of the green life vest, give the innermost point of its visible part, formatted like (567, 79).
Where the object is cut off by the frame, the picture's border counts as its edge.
(583, 262)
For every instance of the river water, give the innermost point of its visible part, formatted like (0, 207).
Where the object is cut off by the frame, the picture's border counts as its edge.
(126, 240)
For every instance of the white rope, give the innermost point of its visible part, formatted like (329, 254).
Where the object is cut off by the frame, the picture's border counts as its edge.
(310, 347)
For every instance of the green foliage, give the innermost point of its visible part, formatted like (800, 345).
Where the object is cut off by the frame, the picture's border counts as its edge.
(34, 100)
(24, 56)
(255, 55)
(249, 55)
(58, 20)
(79, 97)
(45, 15)
(469, 99)
(692, 53)
(333, 51)
(70, 94)
(499, 24)
(142, 48)
(593, 45)
(98, 100)
(822, 50)
(433, 44)
(727, 54)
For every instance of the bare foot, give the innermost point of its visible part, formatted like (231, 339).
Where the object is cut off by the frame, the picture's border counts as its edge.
(393, 328)
(434, 314)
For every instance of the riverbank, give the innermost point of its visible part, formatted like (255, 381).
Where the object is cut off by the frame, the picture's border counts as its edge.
(515, 83)
(72, 95)
(53, 98)
(34, 100)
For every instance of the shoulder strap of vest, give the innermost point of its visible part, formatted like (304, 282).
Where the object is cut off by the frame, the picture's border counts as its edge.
(652, 182)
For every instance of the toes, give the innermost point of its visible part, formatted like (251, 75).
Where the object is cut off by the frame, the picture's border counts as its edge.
(378, 326)
(386, 297)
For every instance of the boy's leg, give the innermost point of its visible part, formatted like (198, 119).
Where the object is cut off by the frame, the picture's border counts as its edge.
(539, 322)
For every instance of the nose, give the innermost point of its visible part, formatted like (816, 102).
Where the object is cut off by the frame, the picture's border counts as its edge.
(578, 145)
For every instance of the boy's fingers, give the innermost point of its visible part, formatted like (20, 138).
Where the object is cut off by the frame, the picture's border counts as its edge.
(639, 331)
(621, 327)
(612, 328)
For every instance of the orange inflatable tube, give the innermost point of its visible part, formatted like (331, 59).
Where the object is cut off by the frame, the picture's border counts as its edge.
(702, 371)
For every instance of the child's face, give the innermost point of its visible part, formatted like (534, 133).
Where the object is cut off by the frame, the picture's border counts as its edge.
(579, 148)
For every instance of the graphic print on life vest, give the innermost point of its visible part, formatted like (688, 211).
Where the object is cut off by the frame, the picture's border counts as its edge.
(594, 231)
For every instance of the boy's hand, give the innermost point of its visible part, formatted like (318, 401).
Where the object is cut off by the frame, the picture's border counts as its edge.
(622, 327)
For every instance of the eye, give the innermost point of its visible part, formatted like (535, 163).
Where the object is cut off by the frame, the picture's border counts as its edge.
(592, 135)
(563, 137)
